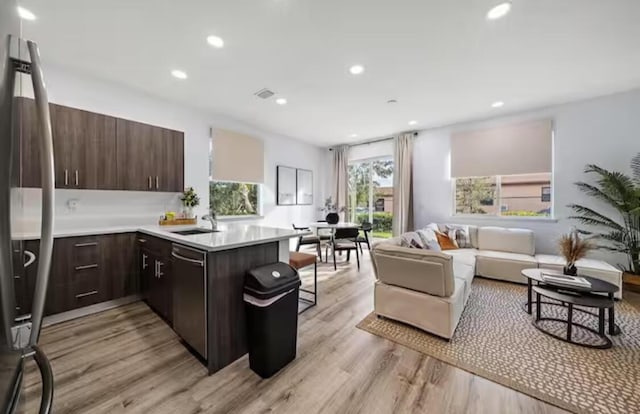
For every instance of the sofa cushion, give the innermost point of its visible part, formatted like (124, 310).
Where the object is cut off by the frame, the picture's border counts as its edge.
(504, 265)
(501, 239)
(465, 273)
(467, 256)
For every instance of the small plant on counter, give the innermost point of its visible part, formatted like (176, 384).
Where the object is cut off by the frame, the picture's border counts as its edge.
(190, 198)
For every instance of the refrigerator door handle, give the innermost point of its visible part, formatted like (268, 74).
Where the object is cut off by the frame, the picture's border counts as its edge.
(30, 258)
(48, 185)
(47, 380)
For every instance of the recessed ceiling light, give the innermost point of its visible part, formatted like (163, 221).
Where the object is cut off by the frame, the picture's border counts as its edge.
(353, 135)
(215, 41)
(356, 69)
(25, 14)
(497, 104)
(179, 74)
(281, 101)
(499, 11)
(392, 101)
(413, 122)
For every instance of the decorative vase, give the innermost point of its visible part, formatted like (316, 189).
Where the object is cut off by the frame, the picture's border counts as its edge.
(188, 212)
(333, 218)
(570, 269)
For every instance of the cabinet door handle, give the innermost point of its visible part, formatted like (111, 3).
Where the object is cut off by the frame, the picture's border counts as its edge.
(160, 274)
(156, 272)
(66, 177)
(142, 240)
(144, 261)
(82, 295)
(77, 180)
(85, 267)
(150, 187)
(157, 182)
(85, 244)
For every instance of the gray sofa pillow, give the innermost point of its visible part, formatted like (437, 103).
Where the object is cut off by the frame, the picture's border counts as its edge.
(429, 239)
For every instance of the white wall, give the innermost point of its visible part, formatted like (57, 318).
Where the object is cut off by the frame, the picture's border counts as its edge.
(603, 131)
(78, 91)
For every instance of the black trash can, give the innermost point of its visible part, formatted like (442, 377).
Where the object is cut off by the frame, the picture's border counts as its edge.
(271, 304)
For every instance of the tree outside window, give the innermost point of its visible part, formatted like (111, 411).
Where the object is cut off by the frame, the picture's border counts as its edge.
(233, 199)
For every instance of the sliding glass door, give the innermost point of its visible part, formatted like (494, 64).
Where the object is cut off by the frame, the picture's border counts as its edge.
(371, 194)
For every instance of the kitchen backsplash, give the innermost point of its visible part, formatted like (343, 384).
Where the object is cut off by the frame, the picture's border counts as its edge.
(84, 208)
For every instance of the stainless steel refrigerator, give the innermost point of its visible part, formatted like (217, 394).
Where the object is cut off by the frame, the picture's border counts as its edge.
(20, 328)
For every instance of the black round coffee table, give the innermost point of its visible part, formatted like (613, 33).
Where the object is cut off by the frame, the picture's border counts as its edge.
(597, 287)
(571, 299)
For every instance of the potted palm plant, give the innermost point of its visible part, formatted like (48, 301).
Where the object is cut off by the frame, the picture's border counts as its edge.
(620, 232)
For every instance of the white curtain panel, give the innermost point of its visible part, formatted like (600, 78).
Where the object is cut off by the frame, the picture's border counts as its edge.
(403, 184)
(340, 181)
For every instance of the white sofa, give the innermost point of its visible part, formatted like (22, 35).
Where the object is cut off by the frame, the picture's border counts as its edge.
(429, 289)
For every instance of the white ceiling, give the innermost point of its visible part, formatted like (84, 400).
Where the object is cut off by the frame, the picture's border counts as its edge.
(441, 59)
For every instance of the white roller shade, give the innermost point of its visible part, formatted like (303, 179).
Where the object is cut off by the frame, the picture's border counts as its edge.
(522, 148)
(237, 157)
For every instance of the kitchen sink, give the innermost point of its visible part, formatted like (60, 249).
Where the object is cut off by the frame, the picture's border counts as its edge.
(194, 231)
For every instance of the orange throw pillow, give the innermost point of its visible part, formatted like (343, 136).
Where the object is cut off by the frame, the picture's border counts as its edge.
(445, 242)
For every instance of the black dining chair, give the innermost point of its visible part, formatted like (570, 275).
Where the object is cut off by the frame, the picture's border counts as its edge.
(308, 240)
(365, 228)
(344, 239)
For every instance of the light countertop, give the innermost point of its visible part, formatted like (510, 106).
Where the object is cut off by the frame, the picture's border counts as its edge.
(231, 235)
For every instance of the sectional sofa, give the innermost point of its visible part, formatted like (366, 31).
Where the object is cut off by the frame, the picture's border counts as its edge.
(429, 289)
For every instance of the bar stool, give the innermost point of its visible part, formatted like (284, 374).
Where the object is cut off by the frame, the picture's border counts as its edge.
(299, 260)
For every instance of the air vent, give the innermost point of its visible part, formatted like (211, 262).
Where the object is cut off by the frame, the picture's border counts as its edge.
(264, 93)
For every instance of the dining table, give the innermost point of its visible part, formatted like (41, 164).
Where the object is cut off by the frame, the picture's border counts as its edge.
(341, 225)
(323, 225)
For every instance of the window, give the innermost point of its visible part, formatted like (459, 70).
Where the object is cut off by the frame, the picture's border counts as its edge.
(503, 170)
(475, 195)
(522, 195)
(371, 194)
(231, 198)
(234, 199)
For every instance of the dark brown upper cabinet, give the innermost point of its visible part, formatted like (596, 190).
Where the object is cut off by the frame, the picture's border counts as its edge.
(100, 152)
(84, 145)
(150, 158)
(85, 149)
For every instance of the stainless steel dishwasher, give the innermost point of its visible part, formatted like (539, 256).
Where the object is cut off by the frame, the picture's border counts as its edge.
(190, 296)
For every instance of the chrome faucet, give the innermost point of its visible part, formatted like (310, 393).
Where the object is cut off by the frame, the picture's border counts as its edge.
(211, 217)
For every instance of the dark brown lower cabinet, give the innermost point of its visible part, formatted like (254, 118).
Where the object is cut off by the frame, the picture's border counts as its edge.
(122, 264)
(156, 275)
(86, 270)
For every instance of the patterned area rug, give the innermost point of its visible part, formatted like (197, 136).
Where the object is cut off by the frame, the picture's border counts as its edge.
(496, 340)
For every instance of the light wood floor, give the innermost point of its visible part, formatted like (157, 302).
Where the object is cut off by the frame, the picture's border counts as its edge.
(128, 360)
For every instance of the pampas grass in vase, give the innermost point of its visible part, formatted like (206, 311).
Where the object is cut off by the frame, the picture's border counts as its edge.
(573, 248)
